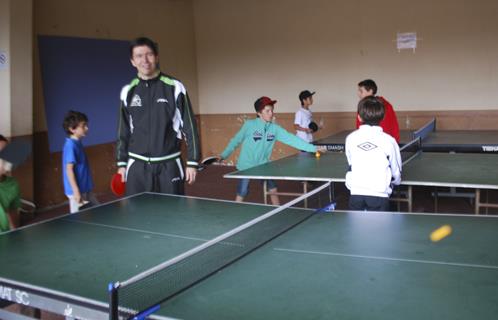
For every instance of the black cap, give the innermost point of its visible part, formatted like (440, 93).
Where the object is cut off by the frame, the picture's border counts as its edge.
(305, 94)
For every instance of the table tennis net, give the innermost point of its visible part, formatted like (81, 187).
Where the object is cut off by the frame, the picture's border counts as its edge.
(426, 130)
(153, 287)
(410, 150)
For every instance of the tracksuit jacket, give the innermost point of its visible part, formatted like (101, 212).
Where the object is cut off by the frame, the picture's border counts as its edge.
(155, 115)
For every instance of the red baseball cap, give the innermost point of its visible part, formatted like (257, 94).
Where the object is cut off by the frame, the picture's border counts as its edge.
(263, 102)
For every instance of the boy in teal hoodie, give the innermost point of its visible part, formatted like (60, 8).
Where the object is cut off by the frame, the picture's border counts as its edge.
(258, 136)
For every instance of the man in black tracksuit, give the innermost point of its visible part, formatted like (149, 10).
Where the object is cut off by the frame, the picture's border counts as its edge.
(155, 115)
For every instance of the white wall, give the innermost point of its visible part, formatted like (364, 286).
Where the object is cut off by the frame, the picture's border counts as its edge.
(5, 124)
(16, 81)
(246, 49)
(22, 67)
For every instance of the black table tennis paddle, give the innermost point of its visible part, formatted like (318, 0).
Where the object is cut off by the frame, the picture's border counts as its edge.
(208, 161)
(313, 126)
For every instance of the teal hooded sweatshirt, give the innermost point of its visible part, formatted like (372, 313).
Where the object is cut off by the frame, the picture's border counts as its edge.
(258, 138)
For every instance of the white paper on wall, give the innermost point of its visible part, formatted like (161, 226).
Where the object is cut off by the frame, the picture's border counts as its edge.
(406, 40)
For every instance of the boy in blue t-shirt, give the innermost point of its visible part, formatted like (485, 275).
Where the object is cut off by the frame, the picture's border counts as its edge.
(76, 173)
(258, 136)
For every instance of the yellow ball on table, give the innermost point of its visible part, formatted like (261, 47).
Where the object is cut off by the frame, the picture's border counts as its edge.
(440, 233)
(317, 154)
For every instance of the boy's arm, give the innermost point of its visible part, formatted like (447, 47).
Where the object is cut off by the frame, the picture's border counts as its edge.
(347, 151)
(349, 172)
(234, 142)
(299, 128)
(394, 124)
(189, 127)
(13, 217)
(390, 121)
(72, 181)
(13, 211)
(297, 123)
(284, 136)
(189, 131)
(395, 164)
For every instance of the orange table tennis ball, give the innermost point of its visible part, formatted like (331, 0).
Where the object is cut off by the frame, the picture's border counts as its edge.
(317, 154)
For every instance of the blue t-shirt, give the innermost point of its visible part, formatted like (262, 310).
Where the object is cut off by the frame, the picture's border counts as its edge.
(73, 152)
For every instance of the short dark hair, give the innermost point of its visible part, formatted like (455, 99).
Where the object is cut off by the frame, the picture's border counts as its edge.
(72, 119)
(143, 41)
(2, 138)
(368, 84)
(371, 110)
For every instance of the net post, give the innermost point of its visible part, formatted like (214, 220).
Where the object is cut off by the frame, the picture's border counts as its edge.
(435, 199)
(113, 301)
(265, 191)
(410, 150)
(410, 199)
(477, 201)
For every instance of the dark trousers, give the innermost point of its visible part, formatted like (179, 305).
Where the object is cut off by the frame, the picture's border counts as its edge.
(161, 177)
(368, 203)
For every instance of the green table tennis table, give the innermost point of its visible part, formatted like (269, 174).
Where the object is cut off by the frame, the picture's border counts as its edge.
(433, 169)
(339, 265)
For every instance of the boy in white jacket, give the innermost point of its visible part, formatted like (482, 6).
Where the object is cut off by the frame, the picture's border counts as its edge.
(374, 160)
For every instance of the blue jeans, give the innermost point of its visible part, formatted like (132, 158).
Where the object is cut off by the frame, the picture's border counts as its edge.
(243, 186)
